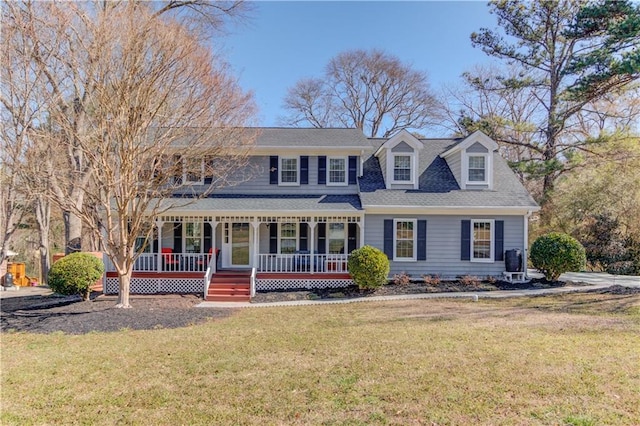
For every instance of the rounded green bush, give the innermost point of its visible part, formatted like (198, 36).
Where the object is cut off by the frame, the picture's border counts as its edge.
(369, 267)
(556, 253)
(75, 274)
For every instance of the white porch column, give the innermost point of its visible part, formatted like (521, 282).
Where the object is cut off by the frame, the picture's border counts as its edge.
(256, 243)
(361, 228)
(312, 244)
(214, 225)
(159, 224)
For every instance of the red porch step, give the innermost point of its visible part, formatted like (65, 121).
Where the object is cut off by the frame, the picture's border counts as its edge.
(229, 287)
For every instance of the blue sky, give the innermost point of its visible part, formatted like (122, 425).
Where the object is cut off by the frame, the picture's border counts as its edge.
(287, 41)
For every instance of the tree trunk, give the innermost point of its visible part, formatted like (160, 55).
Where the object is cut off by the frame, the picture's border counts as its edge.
(43, 219)
(72, 232)
(124, 286)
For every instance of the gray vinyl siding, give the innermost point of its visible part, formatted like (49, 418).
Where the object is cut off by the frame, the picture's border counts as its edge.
(382, 159)
(255, 180)
(443, 245)
(477, 148)
(455, 164)
(402, 147)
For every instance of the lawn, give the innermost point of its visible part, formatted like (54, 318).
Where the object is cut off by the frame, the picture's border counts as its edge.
(570, 359)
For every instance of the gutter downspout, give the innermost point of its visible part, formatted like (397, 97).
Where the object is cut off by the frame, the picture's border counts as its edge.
(525, 257)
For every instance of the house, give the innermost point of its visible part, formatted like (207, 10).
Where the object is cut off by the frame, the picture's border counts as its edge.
(450, 207)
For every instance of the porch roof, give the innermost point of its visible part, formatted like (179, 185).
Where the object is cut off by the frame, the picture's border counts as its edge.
(271, 203)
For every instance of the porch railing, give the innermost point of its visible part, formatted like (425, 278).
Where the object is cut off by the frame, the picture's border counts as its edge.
(303, 263)
(169, 262)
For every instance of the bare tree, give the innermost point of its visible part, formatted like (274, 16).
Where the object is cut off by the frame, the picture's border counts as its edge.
(157, 100)
(51, 30)
(22, 107)
(370, 90)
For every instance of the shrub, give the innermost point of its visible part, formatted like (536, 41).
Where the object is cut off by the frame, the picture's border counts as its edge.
(626, 267)
(402, 278)
(469, 280)
(75, 274)
(431, 280)
(368, 267)
(556, 253)
(491, 279)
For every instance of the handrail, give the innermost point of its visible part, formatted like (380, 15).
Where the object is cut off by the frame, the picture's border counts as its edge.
(211, 270)
(253, 282)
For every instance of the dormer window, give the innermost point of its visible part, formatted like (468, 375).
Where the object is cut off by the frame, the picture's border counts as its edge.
(477, 169)
(402, 168)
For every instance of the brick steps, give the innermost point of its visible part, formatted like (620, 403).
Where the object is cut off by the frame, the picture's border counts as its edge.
(229, 287)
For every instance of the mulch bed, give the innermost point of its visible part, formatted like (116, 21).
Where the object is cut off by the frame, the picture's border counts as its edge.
(48, 314)
(414, 287)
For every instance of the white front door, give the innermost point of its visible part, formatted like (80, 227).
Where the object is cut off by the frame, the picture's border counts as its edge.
(237, 245)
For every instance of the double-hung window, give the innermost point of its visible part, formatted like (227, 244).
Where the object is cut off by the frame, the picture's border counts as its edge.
(289, 171)
(288, 238)
(402, 168)
(404, 244)
(193, 237)
(337, 171)
(477, 168)
(482, 240)
(193, 170)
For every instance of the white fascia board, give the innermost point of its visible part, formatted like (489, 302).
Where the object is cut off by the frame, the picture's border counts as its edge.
(401, 136)
(474, 137)
(449, 210)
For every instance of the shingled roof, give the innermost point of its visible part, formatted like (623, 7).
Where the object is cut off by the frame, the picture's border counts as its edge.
(437, 186)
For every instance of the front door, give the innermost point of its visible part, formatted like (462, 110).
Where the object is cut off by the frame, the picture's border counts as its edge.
(240, 244)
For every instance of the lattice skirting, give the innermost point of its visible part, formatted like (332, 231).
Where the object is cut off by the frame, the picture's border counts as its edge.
(288, 284)
(158, 285)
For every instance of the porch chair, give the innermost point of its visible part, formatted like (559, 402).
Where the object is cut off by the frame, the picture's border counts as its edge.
(203, 261)
(169, 260)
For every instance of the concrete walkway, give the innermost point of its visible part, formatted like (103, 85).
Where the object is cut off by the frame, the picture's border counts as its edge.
(598, 280)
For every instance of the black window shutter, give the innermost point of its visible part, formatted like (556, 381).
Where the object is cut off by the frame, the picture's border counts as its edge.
(353, 169)
(207, 237)
(322, 170)
(304, 239)
(208, 172)
(499, 243)
(273, 170)
(177, 167)
(304, 170)
(322, 238)
(273, 238)
(177, 238)
(422, 240)
(352, 234)
(388, 238)
(465, 241)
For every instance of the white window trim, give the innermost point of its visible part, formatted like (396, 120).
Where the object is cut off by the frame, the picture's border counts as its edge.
(415, 240)
(185, 174)
(184, 235)
(346, 237)
(488, 165)
(391, 163)
(297, 237)
(492, 222)
(346, 171)
(297, 182)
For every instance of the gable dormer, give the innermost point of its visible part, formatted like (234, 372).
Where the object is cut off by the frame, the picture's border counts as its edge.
(471, 161)
(398, 158)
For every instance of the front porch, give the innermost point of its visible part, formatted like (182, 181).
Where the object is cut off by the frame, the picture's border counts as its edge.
(286, 252)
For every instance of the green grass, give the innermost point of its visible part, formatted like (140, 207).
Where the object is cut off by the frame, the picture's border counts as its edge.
(519, 361)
